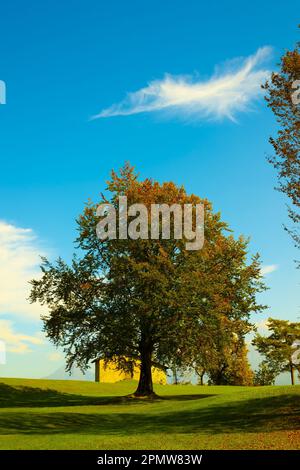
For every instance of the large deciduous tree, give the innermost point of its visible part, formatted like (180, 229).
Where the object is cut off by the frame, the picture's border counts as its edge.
(283, 97)
(145, 301)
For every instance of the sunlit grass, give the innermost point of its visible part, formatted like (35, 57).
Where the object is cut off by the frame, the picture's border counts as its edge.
(50, 414)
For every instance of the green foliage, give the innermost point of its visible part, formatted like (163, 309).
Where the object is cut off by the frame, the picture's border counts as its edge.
(280, 90)
(233, 369)
(239, 371)
(266, 373)
(221, 354)
(278, 348)
(147, 300)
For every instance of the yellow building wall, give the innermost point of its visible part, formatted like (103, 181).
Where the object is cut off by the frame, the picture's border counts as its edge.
(110, 374)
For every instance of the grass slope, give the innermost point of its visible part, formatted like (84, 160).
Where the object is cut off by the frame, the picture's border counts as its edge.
(54, 414)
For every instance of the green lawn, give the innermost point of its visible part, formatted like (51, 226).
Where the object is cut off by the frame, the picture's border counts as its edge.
(50, 414)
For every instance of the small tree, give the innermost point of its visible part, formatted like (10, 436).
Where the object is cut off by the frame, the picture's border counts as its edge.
(239, 371)
(266, 373)
(229, 363)
(221, 354)
(279, 347)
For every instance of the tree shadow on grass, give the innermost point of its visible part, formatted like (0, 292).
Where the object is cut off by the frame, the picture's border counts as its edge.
(32, 397)
(256, 415)
(21, 396)
(185, 397)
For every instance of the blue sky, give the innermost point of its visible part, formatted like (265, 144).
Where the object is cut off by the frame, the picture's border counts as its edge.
(64, 62)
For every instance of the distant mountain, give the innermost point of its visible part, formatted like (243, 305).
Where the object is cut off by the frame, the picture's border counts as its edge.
(61, 374)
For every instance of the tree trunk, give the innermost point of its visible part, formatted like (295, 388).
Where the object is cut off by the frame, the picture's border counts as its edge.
(218, 380)
(145, 386)
(175, 376)
(202, 377)
(218, 377)
(292, 374)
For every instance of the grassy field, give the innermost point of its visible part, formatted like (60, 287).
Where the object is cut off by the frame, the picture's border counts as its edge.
(50, 414)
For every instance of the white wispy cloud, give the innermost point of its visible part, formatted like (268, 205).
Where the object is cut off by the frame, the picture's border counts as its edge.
(17, 342)
(268, 268)
(230, 90)
(19, 262)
